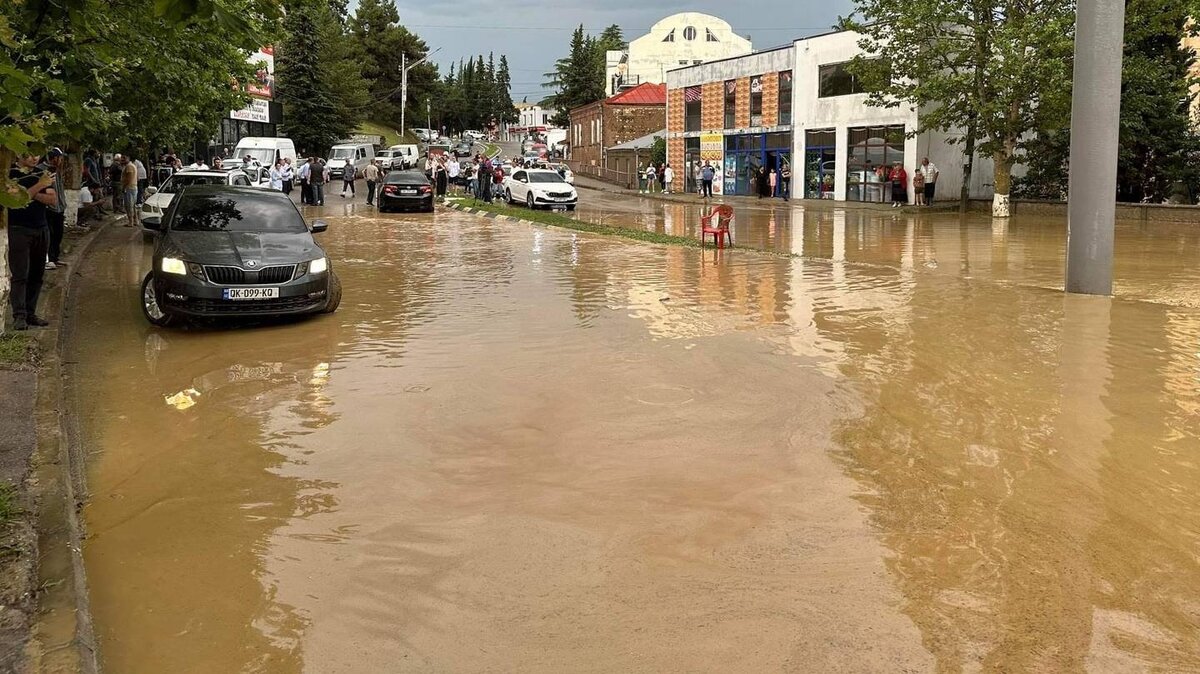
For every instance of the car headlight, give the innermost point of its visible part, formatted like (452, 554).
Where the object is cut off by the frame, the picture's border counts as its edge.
(318, 265)
(173, 265)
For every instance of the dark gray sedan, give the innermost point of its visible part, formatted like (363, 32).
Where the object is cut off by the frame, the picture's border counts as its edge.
(236, 251)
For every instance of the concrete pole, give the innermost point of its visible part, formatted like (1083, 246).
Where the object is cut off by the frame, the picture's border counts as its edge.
(403, 90)
(1095, 116)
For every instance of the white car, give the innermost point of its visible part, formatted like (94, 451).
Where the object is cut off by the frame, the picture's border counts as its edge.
(386, 160)
(158, 199)
(539, 188)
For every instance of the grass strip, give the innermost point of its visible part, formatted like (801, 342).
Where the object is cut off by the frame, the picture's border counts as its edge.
(555, 219)
(17, 351)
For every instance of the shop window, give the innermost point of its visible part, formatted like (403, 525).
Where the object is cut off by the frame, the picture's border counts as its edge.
(692, 97)
(689, 33)
(820, 158)
(730, 104)
(835, 79)
(872, 151)
(756, 100)
(785, 97)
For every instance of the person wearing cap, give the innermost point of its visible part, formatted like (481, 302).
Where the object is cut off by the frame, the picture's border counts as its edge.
(28, 240)
(56, 213)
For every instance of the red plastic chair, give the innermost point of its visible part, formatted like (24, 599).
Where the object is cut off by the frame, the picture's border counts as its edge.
(720, 232)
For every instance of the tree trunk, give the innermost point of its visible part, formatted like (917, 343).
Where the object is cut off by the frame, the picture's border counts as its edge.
(964, 196)
(6, 160)
(1001, 208)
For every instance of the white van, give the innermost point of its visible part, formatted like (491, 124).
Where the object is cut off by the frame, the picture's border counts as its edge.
(404, 156)
(352, 156)
(266, 150)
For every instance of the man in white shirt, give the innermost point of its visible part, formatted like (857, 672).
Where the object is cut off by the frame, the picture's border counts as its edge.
(929, 171)
(198, 164)
(453, 169)
(143, 179)
(668, 177)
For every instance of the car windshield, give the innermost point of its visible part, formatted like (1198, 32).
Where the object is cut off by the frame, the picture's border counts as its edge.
(263, 155)
(224, 212)
(384, 154)
(341, 153)
(545, 177)
(182, 180)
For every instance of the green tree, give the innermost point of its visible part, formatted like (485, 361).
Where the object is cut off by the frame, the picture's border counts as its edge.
(1158, 142)
(575, 77)
(382, 44)
(313, 116)
(987, 72)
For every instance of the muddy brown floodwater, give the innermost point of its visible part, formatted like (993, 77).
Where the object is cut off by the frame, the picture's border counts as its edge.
(518, 449)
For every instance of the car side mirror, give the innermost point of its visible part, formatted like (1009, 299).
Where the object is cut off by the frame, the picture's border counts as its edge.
(152, 223)
(151, 191)
(319, 226)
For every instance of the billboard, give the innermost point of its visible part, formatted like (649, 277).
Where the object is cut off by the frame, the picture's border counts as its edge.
(712, 150)
(258, 111)
(263, 85)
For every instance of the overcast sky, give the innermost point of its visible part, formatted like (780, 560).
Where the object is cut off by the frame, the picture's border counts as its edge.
(534, 33)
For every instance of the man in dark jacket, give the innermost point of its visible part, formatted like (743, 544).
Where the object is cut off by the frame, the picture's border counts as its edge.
(28, 239)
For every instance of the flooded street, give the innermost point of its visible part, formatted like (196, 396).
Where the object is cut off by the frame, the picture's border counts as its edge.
(901, 448)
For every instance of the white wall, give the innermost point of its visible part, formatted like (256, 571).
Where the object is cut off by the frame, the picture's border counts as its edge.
(649, 58)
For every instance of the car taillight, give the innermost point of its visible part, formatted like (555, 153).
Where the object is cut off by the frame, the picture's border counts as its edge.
(426, 189)
(390, 189)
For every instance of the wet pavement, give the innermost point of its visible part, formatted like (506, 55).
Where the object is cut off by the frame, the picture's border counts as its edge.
(522, 449)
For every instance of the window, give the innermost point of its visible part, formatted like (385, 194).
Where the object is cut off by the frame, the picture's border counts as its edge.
(684, 62)
(709, 37)
(692, 97)
(873, 150)
(217, 212)
(241, 181)
(519, 176)
(756, 96)
(785, 97)
(689, 33)
(837, 80)
(730, 104)
(670, 36)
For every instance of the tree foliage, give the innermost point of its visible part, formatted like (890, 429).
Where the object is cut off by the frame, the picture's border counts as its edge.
(984, 71)
(382, 44)
(476, 94)
(1158, 142)
(579, 78)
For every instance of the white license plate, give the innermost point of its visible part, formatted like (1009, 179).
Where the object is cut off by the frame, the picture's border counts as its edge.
(408, 191)
(250, 293)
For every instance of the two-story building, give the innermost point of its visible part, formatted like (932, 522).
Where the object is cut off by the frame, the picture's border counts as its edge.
(799, 106)
(629, 115)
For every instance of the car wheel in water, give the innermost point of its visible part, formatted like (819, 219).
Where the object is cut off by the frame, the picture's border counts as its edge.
(150, 307)
(529, 201)
(335, 293)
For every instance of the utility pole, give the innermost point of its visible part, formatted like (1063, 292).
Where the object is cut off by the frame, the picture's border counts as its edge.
(1095, 118)
(404, 68)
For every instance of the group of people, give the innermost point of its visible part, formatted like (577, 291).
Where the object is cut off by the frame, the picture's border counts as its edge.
(657, 179)
(485, 179)
(924, 182)
(773, 181)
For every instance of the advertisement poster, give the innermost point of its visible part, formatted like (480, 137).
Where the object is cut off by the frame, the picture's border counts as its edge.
(712, 150)
(263, 85)
(258, 111)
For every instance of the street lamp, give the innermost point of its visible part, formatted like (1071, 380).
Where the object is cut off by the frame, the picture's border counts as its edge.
(404, 68)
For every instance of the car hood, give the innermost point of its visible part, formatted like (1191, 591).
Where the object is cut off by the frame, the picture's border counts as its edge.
(160, 201)
(240, 248)
(335, 163)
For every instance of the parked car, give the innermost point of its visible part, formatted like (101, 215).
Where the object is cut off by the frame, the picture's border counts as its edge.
(406, 189)
(236, 251)
(463, 149)
(349, 157)
(538, 188)
(384, 159)
(158, 199)
(405, 156)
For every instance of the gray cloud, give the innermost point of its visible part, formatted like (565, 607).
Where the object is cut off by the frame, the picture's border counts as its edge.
(534, 33)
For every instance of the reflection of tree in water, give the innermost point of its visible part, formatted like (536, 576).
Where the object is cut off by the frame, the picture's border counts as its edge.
(987, 476)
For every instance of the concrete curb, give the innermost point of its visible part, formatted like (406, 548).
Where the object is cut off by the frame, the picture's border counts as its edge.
(65, 635)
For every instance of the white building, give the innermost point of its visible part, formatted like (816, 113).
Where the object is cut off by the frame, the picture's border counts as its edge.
(684, 39)
(532, 118)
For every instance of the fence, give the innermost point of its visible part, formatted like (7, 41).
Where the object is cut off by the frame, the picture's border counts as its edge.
(622, 178)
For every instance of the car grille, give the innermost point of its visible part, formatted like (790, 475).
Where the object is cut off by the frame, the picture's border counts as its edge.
(238, 276)
(558, 195)
(255, 307)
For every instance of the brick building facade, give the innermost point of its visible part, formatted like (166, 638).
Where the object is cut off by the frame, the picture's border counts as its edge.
(619, 119)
